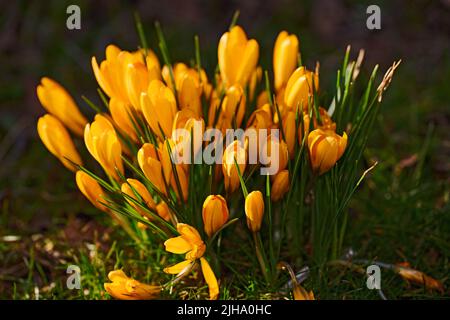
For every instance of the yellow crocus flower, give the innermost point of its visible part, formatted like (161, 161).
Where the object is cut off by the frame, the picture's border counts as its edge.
(254, 210)
(280, 185)
(103, 144)
(123, 117)
(238, 57)
(58, 102)
(325, 149)
(163, 210)
(159, 107)
(57, 140)
(91, 189)
(299, 88)
(230, 172)
(149, 159)
(284, 58)
(190, 243)
(215, 213)
(125, 288)
(141, 190)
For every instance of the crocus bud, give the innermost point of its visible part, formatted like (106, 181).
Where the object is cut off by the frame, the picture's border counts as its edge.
(254, 210)
(214, 213)
(325, 149)
(230, 172)
(57, 101)
(159, 108)
(284, 58)
(57, 140)
(233, 106)
(135, 189)
(125, 288)
(103, 144)
(149, 159)
(280, 185)
(299, 88)
(91, 189)
(238, 57)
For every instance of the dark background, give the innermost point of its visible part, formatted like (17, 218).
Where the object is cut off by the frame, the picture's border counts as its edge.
(37, 195)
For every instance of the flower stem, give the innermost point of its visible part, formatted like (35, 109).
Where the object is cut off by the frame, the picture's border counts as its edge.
(260, 257)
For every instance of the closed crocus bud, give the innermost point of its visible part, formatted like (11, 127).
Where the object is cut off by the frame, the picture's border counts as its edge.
(284, 58)
(299, 88)
(163, 210)
(230, 172)
(214, 213)
(122, 117)
(325, 149)
(103, 144)
(289, 132)
(57, 140)
(91, 189)
(149, 159)
(238, 57)
(135, 189)
(190, 136)
(136, 82)
(280, 185)
(233, 106)
(254, 210)
(159, 108)
(57, 101)
(125, 288)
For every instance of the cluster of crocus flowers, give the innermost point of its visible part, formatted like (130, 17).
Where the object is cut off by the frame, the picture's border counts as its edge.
(134, 140)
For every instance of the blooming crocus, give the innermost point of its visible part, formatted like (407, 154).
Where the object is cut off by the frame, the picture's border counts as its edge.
(215, 213)
(103, 144)
(149, 159)
(125, 288)
(254, 210)
(135, 189)
(91, 189)
(238, 57)
(325, 149)
(285, 58)
(190, 243)
(57, 140)
(58, 102)
(234, 152)
(159, 107)
(110, 74)
(299, 88)
(280, 185)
